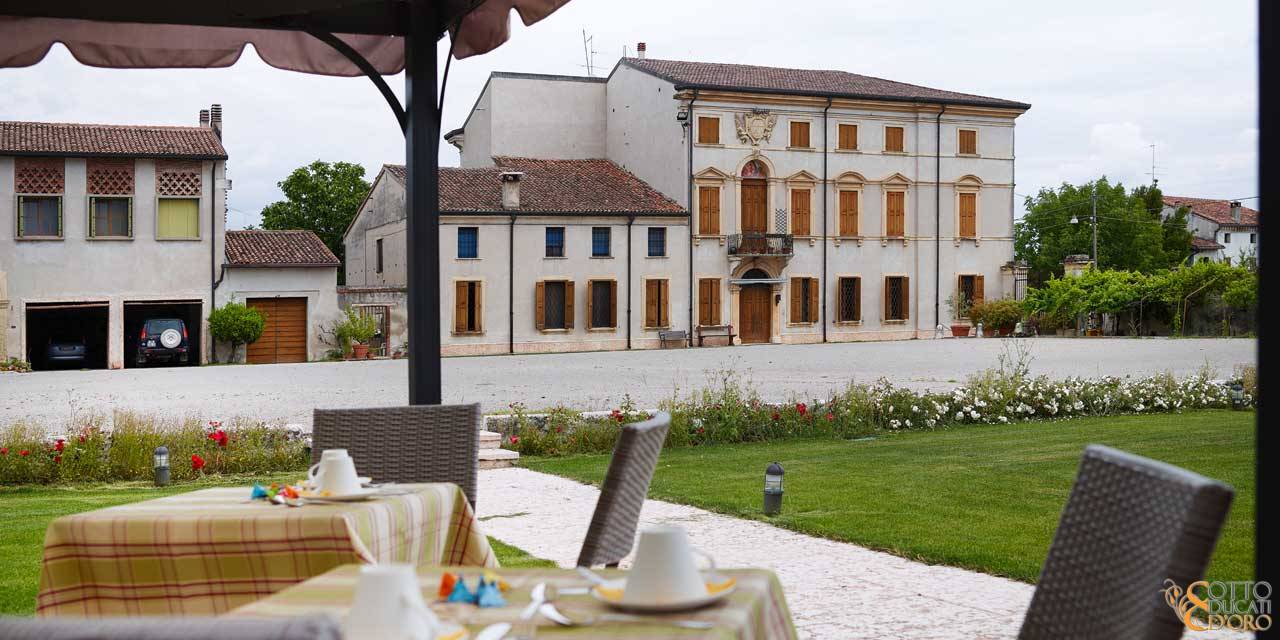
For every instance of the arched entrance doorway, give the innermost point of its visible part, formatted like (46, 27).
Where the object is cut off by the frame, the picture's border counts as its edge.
(755, 308)
(755, 198)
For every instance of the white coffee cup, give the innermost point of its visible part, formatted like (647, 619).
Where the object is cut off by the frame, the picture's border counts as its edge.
(664, 571)
(335, 473)
(389, 606)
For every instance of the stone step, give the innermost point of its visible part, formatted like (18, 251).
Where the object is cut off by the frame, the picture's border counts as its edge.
(490, 439)
(498, 458)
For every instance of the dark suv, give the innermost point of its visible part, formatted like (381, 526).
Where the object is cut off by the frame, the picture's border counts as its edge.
(163, 340)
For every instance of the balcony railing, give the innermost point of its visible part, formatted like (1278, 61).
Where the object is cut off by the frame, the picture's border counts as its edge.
(760, 244)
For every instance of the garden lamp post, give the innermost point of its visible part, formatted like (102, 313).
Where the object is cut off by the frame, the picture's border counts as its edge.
(773, 489)
(160, 461)
(1237, 396)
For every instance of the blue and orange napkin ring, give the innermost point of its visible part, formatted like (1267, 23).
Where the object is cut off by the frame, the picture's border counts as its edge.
(488, 592)
(260, 492)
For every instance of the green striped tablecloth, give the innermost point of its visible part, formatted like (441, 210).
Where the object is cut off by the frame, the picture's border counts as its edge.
(210, 551)
(756, 610)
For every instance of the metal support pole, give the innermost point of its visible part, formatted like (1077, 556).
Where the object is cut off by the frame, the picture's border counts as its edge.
(1094, 198)
(422, 139)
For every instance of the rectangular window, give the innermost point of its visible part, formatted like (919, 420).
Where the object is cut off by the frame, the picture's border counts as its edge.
(973, 290)
(1253, 238)
(804, 300)
(378, 261)
(709, 302)
(656, 304)
(894, 139)
(178, 219)
(468, 242)
(1226, 237)
(800, 213)
(897, 292)
(709, 211)
(553, 306)
(849, 213)
(657, 242)
(110, 217)
(555, 242)
(708, 130)
(968, 142)
(849, 308)
(968, 215)
(602, 304)
(895, 214)
(601, 242)
(847, 137)
(800, 134)
(40, 217)
(468, 309)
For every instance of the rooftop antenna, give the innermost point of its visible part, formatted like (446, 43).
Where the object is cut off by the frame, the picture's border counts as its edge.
(1154, 180)
(589, 53)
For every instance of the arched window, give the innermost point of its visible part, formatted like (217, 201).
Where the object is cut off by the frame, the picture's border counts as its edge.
(755, 274)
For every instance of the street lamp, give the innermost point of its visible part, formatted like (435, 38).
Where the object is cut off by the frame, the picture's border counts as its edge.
(773, 489)
(160, 461)
(1237, 396)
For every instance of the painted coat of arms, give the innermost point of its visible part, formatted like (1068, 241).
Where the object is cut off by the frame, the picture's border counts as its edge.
(755, 127)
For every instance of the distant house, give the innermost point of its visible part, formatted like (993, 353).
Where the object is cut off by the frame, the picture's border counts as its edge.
(1222, 230)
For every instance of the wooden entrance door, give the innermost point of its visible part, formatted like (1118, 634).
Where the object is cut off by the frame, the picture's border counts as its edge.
(284, 338)
(755, 211)
(755, 314)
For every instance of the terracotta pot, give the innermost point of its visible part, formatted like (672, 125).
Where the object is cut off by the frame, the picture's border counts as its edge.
(959, 330)
(1006, 330)
(359, 351)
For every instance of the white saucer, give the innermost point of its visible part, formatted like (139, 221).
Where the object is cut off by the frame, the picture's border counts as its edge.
(610, 593)
(362, 494)
(363, 480)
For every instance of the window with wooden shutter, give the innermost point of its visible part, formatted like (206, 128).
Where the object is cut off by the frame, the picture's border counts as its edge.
(897, 298)
(970, 290)
(811, 300)
(804, 300)
(602, 304)
(540, 306)
(849, 308)
(709, 301)
(848, 213)
(655, 304)
(800, 134)
(800, 212)
(553, 305)
(708, 130)
(847, 137)
(568, 305)
(895, 214)
(969, 142)
(797, 299)
(468, 306)
(709, 211)
(894, 139)
(968, 215)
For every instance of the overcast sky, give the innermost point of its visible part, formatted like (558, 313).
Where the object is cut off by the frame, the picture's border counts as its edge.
(1105, 79)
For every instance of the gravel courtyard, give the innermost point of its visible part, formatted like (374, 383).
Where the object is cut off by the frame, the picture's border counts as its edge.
(288, 392)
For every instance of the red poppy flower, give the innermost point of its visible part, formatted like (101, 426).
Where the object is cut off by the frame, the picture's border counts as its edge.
(702, 429)
(219, 437)
(830, 417)
(60, 445)
(82, 439)
(24, 453)
(515, 439)
(197, 463)
(4, 451)
(57, 459)
(777, 416)
(802, 408)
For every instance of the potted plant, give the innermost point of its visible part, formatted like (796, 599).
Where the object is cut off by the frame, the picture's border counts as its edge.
(355, 331)
(960, 305)
(998, 317)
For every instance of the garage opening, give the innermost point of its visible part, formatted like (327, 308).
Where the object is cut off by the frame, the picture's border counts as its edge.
(172, 333)
(284, 338)
(67, 335)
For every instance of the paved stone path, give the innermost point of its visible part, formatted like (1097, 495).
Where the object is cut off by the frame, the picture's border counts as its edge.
(835, 590)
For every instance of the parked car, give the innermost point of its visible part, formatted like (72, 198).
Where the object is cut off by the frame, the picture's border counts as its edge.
(64, 350)
(162, 340)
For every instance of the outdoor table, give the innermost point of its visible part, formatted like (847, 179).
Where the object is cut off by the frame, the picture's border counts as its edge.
(210, 551)
(756, 610)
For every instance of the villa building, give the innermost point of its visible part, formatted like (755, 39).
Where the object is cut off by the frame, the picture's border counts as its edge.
(1221, 230)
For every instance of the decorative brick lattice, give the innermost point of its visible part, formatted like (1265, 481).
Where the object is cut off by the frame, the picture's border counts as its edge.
(39, 175)
(110, 177)
(780, 220)
(177, 178)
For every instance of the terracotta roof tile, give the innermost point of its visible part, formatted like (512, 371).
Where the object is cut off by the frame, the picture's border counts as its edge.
(1218, 211)
(262, 248)
(68, 139)
(1204, 244)
(712, 75)
(552, 186)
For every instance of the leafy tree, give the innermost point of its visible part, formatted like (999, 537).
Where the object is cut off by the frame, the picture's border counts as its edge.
(321, 197)
(1131, 232)
(237, 324)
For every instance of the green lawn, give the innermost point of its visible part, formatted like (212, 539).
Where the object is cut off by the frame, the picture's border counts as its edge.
(981, 497)
(27, 511)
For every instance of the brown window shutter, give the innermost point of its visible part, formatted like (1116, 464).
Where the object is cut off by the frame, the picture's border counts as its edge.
(884, 313)
(979, 293)
(568, 305)
(704, 301)
(708, 130)
(591, 290)
(797, 298)
(848, 213)
(893, 139)
(800, 225)
(968, 215)
(857, 300)
(813, 301)
(848, 136)
(799, 134)
(709, 211)
(613, 303)
(895, 221)
(906, 298)
(968, 141)
(664, 301)
(715, 301)
(460, 304)
(539, 306)
(650, 303)
(479, 303)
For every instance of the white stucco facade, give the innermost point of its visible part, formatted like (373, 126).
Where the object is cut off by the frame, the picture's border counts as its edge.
(316, 284)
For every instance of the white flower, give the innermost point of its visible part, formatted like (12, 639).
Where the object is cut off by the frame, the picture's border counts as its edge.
(959, 415)
(975, 415)
(1003, 419)
(908, 423)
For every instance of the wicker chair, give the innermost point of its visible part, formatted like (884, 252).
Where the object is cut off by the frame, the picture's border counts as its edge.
(1129, 524)
(419, 443)
(312, 627)
(613, 525)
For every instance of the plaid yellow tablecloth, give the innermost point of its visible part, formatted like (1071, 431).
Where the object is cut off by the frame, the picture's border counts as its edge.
(210, 551)
(756, 610)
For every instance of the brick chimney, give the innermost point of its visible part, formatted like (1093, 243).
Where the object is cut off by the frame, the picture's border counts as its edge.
(640, 50)
(1235, 211)
(204, 117)
(510, 189)
(215, 119)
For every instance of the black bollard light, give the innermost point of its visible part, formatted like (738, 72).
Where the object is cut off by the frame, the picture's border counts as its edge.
(1237, 396)
(773, 489)
(160, 460)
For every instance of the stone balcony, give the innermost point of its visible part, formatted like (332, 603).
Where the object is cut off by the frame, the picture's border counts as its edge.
(761, 245)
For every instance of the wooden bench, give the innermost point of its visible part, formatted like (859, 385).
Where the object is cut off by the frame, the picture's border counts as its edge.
(715, 331)
(672, 336)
